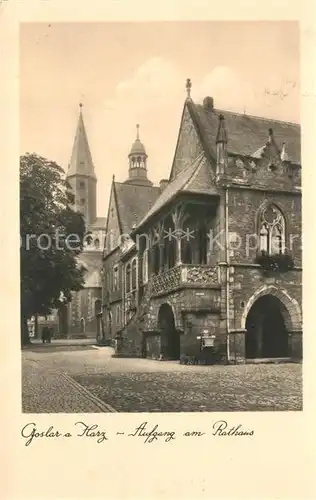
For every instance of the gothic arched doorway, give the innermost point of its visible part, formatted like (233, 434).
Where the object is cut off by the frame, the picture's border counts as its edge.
(170, 337)
(267, 335)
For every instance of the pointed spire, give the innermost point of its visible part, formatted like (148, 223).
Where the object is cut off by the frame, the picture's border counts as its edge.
(284, 156)
(188, 87)
(81, 160)
(221, 131)
(137, 133)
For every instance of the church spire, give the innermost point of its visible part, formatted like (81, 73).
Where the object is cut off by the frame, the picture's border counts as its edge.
(81, 160)
(81, 175)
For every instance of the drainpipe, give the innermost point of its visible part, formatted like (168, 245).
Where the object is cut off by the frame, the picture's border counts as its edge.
(227, 272)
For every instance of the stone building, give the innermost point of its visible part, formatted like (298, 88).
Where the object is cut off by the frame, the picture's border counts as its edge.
(128, 204)
(209, 263)
(80, 317)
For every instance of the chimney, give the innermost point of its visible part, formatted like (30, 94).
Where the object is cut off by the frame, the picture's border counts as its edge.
(163, 184)
(208, 103)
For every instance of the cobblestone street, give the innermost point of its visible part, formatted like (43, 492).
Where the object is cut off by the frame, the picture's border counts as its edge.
(78, 378)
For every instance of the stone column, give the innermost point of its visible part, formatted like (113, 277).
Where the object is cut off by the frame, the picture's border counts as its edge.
(237, 341)
(295, 344)
(177, 217)
(178, 251)
(161, 256)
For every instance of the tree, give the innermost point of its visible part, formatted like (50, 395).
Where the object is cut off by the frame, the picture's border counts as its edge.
(51, 237)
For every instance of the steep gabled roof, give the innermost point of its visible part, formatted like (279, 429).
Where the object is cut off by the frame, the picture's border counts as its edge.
(247, 134)
(81, 160)
(196, 178)
(133, 202)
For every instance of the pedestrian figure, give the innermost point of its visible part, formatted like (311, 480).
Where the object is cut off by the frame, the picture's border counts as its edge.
(45, 334)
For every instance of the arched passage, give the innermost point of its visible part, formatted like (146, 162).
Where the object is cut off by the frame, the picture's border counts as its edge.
(170, 337)
(269, 317)
(266, 333)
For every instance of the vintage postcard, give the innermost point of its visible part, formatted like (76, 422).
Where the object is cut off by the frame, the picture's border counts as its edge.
(159, 180)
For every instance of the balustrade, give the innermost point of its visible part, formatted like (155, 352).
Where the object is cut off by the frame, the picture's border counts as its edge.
(186, 275)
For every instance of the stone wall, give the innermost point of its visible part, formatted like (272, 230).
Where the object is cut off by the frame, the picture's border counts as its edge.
(83, 307)
(243, 210)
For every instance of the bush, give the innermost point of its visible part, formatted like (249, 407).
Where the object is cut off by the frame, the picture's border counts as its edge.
(275, 262)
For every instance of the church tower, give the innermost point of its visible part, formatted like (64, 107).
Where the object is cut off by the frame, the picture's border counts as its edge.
(81, 175)
(137, 172)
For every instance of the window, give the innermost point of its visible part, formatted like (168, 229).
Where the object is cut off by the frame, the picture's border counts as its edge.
(82, 201)
(272, 230)
(81, 185)
(97, 243)
(118, 315)
(128, 278)
(134, 274)
(156, 258)
(97, 307)
(115, 278)
(145, 266)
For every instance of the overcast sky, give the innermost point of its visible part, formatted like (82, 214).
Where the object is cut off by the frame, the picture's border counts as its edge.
(128, 73)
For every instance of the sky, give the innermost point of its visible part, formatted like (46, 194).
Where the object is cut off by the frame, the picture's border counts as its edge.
(129, 73)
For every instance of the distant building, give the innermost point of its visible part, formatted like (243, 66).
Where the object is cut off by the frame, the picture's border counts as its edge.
(80, 317)
(212, 257)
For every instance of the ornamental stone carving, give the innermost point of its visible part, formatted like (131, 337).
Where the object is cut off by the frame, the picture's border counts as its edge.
(201, 274)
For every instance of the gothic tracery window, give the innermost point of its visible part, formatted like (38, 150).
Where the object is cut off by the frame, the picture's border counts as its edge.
(134, 274)
(272, 230)
(128, 278)
(145, 266)
(115, 278)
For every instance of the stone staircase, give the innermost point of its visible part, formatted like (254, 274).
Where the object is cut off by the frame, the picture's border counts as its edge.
(130, 337)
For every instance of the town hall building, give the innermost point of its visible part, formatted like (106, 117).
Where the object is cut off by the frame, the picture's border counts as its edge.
(208, 264)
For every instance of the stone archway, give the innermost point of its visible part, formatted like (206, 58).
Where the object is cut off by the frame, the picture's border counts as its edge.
(269, 317)
(170, 337)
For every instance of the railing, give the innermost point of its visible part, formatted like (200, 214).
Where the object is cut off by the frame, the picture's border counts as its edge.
(186, 275)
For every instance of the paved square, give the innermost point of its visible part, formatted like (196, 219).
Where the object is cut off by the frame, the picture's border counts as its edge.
(51, 376)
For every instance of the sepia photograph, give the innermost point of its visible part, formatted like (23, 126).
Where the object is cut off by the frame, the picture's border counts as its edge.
(160, 217)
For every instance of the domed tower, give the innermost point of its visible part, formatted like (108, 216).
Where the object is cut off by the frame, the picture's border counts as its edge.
(137, 172)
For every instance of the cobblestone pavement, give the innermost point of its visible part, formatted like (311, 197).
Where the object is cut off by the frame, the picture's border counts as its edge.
(138, 385)
(45, 390)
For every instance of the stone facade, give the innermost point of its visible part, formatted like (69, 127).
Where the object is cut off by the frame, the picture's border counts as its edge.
(81, 316)
(202, 292)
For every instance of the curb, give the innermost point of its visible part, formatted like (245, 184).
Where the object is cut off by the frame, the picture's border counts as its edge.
(88, 395)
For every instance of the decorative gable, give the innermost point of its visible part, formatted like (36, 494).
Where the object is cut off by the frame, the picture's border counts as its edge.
(188, 146)
(113, 230)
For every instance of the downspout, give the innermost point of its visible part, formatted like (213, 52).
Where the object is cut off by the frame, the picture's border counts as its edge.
(227, 272)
